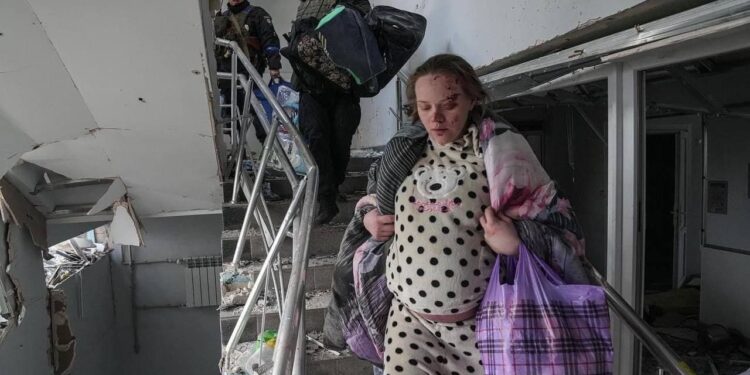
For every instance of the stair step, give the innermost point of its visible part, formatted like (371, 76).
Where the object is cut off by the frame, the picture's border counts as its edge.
(324, 240)
(318, 276)
(234, 214)
(315, 308)
(354, 182)
(361, 159)
(319, 361)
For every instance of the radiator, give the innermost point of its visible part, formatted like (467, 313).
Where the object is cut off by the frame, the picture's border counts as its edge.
(202, 281)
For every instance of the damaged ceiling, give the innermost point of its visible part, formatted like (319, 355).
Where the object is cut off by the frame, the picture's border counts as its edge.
(111, 89)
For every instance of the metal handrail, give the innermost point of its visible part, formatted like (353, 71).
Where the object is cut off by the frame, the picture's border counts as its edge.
(645, 334)
(290, 344)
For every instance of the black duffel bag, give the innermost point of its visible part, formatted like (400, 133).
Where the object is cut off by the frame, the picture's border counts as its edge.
(398, 34)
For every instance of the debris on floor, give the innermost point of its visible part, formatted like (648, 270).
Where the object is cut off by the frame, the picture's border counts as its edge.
(235, 286)
(239, 352)
(708, 349)
(254, 357)
(366, 153)
(242, 353)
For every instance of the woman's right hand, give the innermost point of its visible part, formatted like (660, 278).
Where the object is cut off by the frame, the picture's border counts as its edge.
(381, 227)
(500, 233)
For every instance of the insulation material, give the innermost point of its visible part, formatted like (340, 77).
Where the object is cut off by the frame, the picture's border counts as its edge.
(63, 341)
(125, 228)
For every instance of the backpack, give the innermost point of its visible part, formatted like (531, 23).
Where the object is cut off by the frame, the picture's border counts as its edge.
(314, 72)
(399, 34)
(389, 37)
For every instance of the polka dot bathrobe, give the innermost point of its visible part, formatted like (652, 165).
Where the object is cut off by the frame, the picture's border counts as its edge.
(438, 266)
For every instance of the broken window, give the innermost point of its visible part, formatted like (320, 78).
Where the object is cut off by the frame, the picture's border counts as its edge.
(71, 256)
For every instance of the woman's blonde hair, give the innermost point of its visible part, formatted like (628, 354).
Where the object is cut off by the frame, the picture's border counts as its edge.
(451, 65)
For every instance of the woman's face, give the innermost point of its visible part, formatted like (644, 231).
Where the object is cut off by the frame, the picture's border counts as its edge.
(443, 106)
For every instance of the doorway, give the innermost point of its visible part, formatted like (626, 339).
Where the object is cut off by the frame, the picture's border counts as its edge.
(687, 107)
(660, 251)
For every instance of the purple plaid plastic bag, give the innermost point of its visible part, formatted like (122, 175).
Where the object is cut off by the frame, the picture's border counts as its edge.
(538, 325)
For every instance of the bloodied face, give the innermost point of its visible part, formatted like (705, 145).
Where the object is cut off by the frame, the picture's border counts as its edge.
(443, 106)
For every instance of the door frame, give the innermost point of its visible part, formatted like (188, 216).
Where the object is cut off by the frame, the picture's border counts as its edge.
(688, 167)
(627, 143)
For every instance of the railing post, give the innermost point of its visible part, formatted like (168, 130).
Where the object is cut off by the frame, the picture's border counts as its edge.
(238, 164)
(291, 337)
(300, 352)
(255, 291)
(233, 94)
(290, 322)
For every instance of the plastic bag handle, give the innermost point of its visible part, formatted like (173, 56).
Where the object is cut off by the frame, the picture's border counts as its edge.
(495, 276)
(277, 80)
(530, 263)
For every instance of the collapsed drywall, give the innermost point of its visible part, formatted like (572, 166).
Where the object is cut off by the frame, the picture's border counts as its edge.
(136, 106)
(25, 347)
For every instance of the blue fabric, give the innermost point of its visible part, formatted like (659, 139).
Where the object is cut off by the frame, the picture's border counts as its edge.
(274, 85)
(272, 50)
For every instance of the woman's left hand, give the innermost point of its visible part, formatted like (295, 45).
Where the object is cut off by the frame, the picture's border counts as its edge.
(499, 233)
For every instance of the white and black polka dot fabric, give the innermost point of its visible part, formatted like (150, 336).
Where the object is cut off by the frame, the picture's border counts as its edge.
(415, 345)
(438, 262)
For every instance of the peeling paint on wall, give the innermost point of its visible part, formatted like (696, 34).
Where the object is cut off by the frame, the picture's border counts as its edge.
(63, 340)
(23, 213)
(9, 303)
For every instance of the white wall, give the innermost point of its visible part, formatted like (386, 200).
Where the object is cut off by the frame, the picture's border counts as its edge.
(724, 289)
(171, 340)
(481, 31)
(728, 160)
(91, 313)
(723, 292)
(25, 349)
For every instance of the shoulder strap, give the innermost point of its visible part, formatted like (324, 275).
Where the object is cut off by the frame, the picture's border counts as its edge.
(237, 23)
